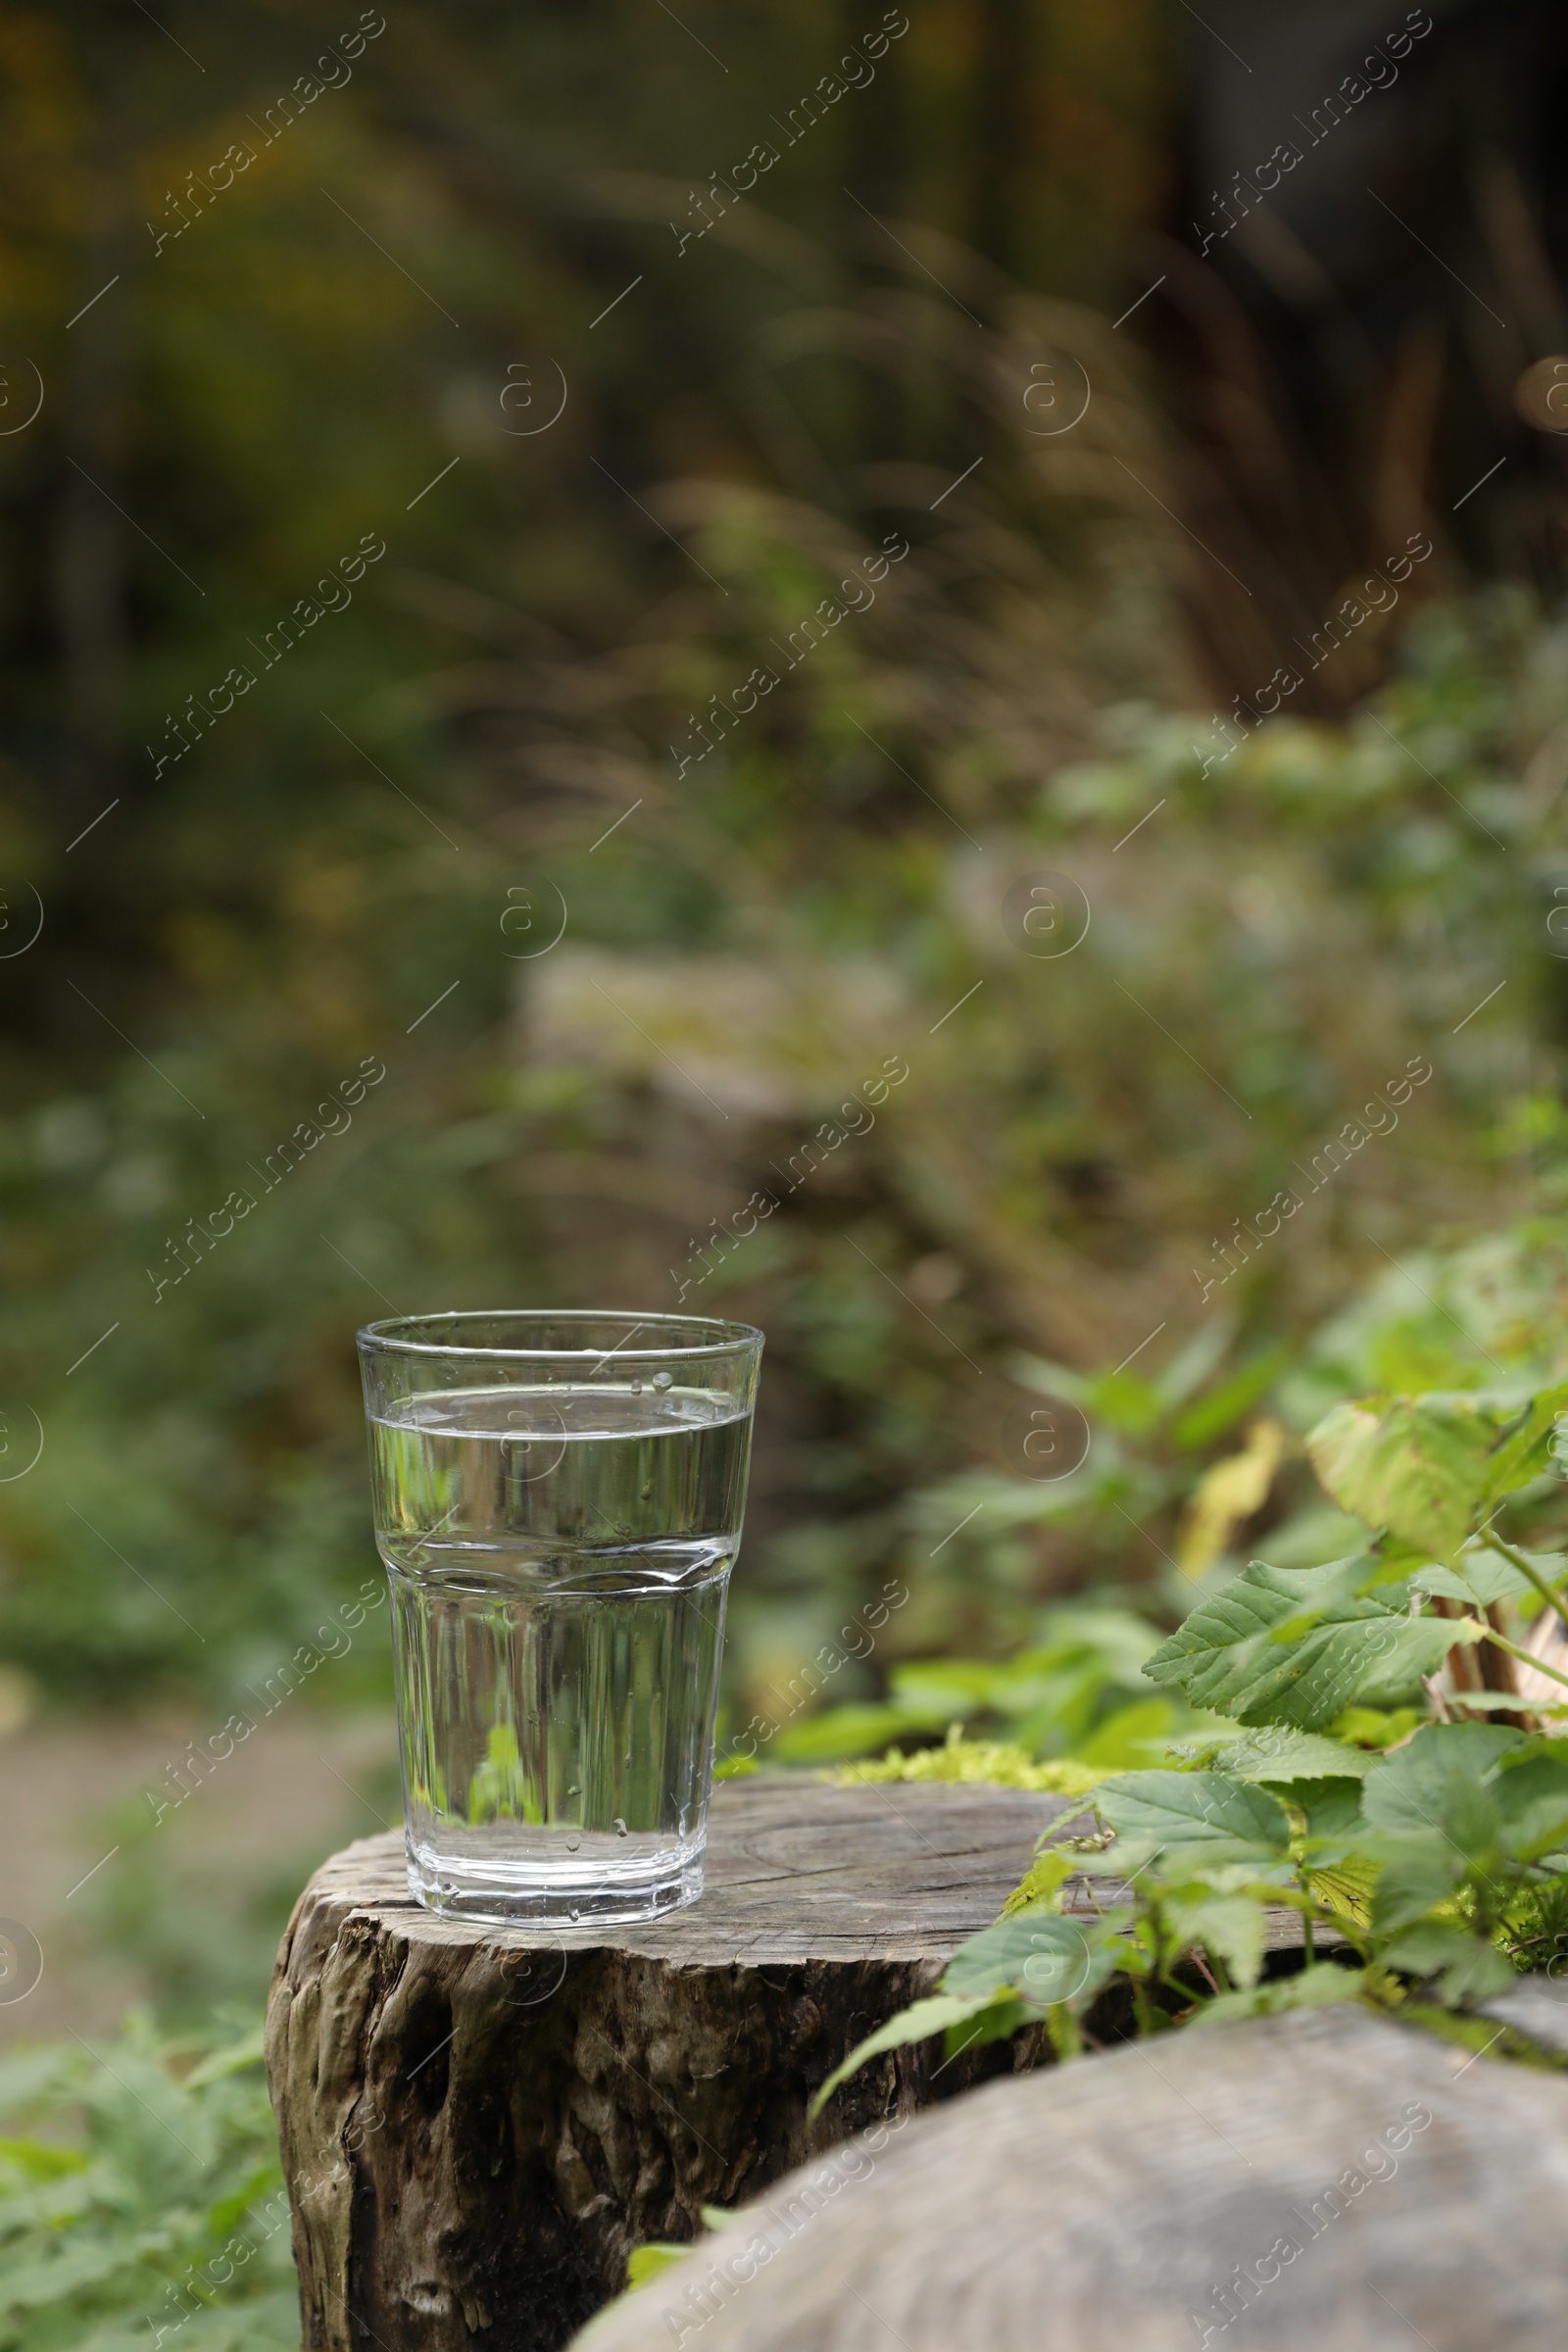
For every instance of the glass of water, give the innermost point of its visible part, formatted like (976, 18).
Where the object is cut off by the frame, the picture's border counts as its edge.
(558, 1501)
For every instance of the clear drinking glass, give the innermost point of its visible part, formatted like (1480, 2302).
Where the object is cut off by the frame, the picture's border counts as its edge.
(558, 1501)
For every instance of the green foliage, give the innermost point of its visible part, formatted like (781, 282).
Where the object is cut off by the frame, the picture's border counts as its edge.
(1442, 1857)
(1165, 1811)
(1075, 1696)
(152, 2210)
(1299, 1645)
(1415, 1468)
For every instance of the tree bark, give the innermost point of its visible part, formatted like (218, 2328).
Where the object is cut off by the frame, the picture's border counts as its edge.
(479, 2124)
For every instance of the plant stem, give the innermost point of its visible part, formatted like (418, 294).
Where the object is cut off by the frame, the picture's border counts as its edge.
(1514, 1651)
(1517, 1559)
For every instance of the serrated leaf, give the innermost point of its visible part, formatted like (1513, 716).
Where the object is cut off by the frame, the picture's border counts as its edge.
(1418, 1468)
(1479, 1576)
(1176, 1809)
(1296, 1646)
(1399, 1659)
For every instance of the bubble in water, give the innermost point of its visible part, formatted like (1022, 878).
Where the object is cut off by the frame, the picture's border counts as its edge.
(575, 1913)
(636, 1388)
(619, 1827)
(664, 1380)
(573, 1845)
(645, 1493)
(575, 1791)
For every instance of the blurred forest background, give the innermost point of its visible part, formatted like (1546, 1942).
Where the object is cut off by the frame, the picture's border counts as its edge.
(603, 342)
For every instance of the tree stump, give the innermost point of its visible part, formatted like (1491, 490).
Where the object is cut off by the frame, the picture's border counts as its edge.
(1324, 2180)
(479, 2124)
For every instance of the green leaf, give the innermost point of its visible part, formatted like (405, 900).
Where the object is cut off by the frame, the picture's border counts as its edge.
(1050, 1379)
(915, 2024)
(1037, 1954)
(1415, 1874)
(1130, 1736)
(1296, 1646)
(1332, 1807)
(1526, 1451)
(1193, 1809)
(1466, 1967)
(1418, 1468)
(40, 2160)
(1480, 1579)
(1042, 1883)
(1128, 1404)
(1413, 1788)
(1310, 1989)
(1278, 1754)
(1194, 1362)
(848, 1731)
(236, 2059)
(1229, 1925)
(1213, 1415)
(645, 2262)
(1532, 1801)
(945, 1690)
(994, 2023)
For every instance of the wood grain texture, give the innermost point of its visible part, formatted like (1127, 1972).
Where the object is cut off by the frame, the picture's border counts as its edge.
(1270, 2182)
(478, 2123)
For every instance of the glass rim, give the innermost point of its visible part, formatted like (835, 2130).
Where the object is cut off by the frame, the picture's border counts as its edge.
(387, 1338)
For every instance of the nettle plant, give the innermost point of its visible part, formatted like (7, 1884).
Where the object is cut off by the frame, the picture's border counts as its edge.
(1367, 1762)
